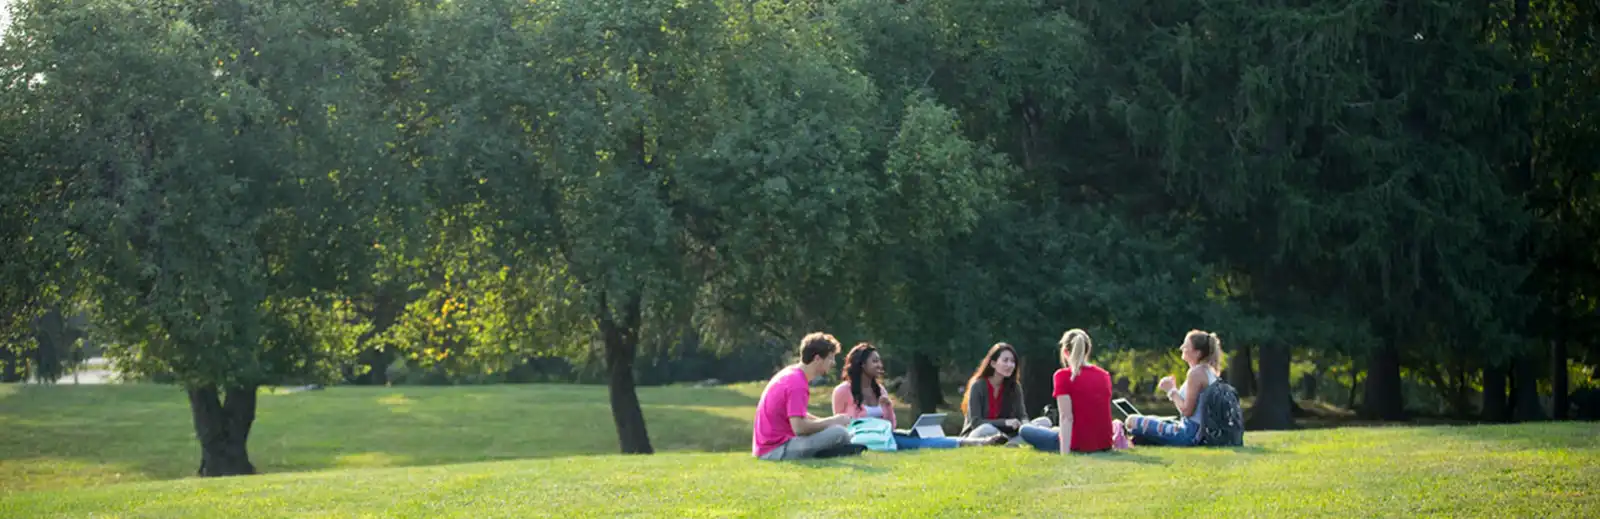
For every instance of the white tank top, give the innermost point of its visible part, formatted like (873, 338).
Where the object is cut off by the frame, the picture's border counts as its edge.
(874, 412)
(1199, 410)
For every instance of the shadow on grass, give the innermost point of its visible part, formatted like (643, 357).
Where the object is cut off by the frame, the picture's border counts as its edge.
(854, 464)
(1130, 456)
(62, 436)
(1247, 449)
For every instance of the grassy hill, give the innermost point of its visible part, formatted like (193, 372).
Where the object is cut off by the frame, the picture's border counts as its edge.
(523, 451)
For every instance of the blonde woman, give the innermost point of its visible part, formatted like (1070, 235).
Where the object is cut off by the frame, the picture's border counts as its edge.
(1083, 397)
(1203, 352)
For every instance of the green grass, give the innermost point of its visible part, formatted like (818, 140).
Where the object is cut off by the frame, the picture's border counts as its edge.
(524, 451)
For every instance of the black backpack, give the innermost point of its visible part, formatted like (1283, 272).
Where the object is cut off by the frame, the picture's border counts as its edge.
(1224, 421)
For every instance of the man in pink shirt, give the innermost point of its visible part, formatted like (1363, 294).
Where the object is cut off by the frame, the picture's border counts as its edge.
(785, 429)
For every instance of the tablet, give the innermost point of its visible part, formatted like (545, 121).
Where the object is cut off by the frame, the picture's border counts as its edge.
(929, 426)
(1125, 407)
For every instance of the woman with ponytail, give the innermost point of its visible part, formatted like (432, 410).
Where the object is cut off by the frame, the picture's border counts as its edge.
(1203, 352)
(1083, 396)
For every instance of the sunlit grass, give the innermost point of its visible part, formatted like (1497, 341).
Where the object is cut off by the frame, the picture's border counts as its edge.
(534, 451)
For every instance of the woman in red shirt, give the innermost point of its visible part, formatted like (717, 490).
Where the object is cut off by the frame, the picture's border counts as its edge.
(1083, 395)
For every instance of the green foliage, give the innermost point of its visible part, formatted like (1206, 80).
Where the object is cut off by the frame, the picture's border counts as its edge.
(717, 162)
(255, 192)
(1564, 170)
(214, 170)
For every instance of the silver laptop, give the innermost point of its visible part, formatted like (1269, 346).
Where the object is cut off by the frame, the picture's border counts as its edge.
(1125, 407)
(929, 426)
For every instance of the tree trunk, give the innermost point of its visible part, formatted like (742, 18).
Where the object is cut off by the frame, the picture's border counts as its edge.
(223, 429)
(1456, 400)
(1274, 403)
(1463, 390)
(1355, 384)
(8, 362)
(377, 362)
(1037, 377)
(388, 303)
(925, 388)
(1495, 408)
(378, 371)
(1525, 391)
(1383, 399)
(50, 336)
(622, 346)
(1558, 381)
(1240, 374)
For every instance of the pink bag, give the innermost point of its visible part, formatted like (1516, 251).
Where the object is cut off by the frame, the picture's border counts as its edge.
(1119, 437)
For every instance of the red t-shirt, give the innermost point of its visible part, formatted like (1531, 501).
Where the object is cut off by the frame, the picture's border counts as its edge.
(994, 402)
(1091, 407)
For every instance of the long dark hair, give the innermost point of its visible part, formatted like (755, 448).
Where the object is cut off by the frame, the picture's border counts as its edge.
(854, 362)
(986, 370)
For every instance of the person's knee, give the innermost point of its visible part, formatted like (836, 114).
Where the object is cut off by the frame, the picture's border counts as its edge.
(983, 430)
(834, 434)
(1033, 433)
(1043, 438)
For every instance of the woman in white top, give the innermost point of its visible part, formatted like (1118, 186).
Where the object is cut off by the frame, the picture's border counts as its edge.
(1203, 351)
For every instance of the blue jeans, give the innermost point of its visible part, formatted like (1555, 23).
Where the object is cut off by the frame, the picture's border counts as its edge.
(1043, 438)
(907, 442)
(1164, 431)
(1047, 439)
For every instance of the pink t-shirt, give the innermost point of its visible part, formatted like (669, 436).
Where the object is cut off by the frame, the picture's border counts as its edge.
(787, 394)
(845, 403)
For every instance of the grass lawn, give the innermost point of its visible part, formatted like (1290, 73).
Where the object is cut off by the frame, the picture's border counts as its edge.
(523, 451)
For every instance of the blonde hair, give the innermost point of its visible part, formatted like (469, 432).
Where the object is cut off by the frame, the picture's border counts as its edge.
(1075, 346)
(1208, 345)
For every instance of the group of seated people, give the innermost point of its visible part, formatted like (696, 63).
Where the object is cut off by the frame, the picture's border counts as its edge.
(992, 404)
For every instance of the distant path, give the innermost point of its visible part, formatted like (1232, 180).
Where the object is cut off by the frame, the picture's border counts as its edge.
(96, 370)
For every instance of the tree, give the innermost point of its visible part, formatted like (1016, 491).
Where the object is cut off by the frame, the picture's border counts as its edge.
(31, 244)
(670, 163)
(217, 168)
(1558, 47)
(1073, 236)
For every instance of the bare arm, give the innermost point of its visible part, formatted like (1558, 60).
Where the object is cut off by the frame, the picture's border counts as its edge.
(888, 405)
(1064, 403)
(842, 399)
(1193, 385)
(809, 425)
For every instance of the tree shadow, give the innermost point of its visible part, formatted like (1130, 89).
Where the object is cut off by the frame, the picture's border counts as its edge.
(853, 463)
(1247, 449)
(1130, 456)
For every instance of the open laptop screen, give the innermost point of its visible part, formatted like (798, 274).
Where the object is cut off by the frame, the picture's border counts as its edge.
(1124, 406)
